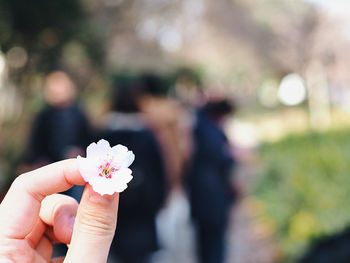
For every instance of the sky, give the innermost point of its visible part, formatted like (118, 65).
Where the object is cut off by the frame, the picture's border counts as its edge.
(334, 7)
(339, 10)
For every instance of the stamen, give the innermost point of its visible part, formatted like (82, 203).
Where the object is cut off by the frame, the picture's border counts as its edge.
(107, 170)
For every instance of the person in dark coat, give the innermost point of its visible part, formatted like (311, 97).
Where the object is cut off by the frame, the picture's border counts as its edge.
(136, 238)
(209, 182)
(61, 130)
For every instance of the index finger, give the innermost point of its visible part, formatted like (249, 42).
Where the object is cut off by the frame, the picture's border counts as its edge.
(20, 208)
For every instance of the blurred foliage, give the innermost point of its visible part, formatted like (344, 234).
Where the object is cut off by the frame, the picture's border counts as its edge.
(36, 38)
(45, 29)
(167, 80)
(305, 188)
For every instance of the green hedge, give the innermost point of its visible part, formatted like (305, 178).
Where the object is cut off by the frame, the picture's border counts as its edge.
(304, 188)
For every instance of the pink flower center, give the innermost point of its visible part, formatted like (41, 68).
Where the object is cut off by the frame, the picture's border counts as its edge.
(107, 170)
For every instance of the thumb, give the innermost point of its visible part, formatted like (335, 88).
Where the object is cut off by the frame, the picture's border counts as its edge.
(94, 228)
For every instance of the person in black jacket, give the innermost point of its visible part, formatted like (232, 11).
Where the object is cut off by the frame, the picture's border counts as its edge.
(209, 182)
(136, 237)
(61, 130)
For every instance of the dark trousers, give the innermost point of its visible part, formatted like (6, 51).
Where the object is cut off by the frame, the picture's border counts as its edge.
(211, 244)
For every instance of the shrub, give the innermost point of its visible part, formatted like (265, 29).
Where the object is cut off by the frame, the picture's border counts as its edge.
(304, 188)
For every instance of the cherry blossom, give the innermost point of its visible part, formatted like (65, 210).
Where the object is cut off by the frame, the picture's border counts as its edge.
(105, 168)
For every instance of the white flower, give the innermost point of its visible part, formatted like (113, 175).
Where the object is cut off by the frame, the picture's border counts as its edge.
(105, 168)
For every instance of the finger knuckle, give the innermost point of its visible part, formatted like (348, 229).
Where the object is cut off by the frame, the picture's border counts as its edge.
(96, 223)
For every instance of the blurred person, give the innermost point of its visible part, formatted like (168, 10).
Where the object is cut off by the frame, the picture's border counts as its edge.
(209, 181)
(331, 248)
(61, 130)
(33, 217)
(171, 123)
(136, 239)
(168, 120)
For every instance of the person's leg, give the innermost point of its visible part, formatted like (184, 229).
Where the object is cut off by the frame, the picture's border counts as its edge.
(217, 244)
(211, 244)
(202, 244)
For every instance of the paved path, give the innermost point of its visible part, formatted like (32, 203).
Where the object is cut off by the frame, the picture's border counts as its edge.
(247, 240)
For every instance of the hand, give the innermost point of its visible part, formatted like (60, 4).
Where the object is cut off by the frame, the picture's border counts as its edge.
(33, 217)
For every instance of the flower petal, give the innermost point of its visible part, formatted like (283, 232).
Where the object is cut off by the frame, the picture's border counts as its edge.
(124, 175)
(119, 149)
(87, 168)
(128, 178)
(100, 156)
(122, 157)
(95, 150)
(120, 188)
(128, 159)
(102, 185)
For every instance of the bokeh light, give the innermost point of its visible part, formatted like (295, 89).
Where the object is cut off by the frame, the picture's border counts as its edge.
(17, 57)
(267, 93)
(292, 90)
(170, 38)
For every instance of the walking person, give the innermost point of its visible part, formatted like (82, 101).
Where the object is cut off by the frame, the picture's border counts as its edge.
(136, 239)
(209, 183)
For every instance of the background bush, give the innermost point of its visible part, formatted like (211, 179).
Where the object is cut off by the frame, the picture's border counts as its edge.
(304, 188)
